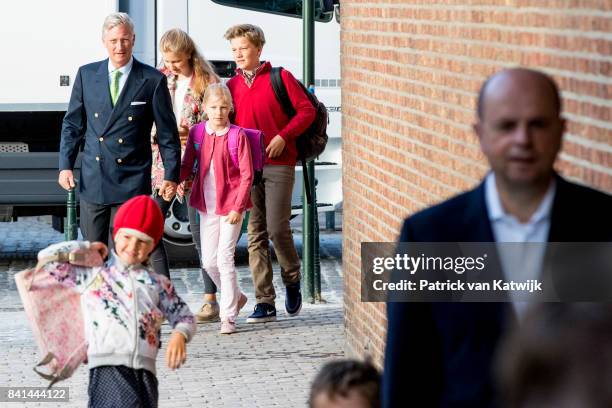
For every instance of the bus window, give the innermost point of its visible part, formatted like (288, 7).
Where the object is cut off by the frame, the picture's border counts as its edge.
(293, 8)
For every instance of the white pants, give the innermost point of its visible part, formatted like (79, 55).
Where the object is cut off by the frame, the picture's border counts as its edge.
(218, 239)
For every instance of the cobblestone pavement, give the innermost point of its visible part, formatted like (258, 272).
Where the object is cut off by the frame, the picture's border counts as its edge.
(263, 365)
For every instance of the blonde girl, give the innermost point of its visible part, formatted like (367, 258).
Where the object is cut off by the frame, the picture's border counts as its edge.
(221, 193)
(188, 74)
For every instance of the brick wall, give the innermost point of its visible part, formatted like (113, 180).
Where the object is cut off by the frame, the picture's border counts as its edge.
(410, 73)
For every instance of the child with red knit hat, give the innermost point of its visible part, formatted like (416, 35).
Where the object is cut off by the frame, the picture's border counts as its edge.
(124, 304)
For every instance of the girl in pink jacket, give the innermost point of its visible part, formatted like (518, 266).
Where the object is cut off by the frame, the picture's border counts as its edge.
(221, 194)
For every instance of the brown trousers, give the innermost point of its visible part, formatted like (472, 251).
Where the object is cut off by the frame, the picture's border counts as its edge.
(269, 219)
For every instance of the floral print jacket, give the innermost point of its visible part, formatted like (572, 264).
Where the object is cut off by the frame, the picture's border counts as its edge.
(123, 308)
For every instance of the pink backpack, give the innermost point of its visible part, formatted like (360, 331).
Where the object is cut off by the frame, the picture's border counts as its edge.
(256, 142)
(54, 312)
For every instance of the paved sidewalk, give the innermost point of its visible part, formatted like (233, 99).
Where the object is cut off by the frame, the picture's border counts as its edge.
(263, 365)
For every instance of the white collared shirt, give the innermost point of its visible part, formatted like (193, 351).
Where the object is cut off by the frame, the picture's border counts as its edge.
(125, 72)
(506, 227)
(221, 132)
(519, 261)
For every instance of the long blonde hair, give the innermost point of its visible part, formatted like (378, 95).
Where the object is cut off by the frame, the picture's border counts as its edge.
(177, 41)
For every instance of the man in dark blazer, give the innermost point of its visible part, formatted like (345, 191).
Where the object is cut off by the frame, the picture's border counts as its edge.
(112, 109)
(441, 354)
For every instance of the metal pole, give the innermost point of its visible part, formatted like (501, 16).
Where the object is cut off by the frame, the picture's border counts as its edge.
(317, 255)
(315, 225)
(70, 229)
(309, 210)
(330, 220)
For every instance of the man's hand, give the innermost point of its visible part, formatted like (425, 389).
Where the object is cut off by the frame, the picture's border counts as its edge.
(276, 146)
(183, 132)
(167, 190)
(233, 217)
(176, 354)
(66, 179)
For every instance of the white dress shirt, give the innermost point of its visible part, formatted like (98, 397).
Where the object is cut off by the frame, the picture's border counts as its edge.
(125, 72)
(519, 261)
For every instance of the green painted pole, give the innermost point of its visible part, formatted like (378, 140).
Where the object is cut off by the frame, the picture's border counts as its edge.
(70, 228)
(317, 257)
(309, 209)
(316, 262)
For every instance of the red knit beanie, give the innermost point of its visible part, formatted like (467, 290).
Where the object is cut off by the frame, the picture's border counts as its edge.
(140, 216)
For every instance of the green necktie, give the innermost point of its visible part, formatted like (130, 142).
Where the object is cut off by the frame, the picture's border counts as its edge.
(114, 88)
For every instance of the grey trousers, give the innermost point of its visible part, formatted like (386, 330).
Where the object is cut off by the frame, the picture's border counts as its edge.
(159, 257)
(96, 221)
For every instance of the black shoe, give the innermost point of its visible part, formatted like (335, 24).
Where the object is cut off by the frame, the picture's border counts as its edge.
(264, 312)
(293, 299)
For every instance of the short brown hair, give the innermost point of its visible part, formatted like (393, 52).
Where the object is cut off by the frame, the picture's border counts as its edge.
(251, 32)
(559, 350)
(338, 378)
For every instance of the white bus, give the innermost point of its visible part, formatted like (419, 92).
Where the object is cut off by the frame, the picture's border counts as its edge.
(45, 43)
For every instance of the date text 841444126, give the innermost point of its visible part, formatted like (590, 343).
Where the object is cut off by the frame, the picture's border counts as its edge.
(33, 394)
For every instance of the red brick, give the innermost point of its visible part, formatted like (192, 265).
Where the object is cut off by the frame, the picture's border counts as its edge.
(411, 71)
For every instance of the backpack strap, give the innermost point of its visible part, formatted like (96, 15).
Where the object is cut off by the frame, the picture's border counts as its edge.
(232, 143)
(199, 131)
(306, 179)
(198, 134)
(280, 91)
(56, 377)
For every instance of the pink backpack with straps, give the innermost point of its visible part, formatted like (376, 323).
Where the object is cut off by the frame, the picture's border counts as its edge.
(54, 313)
(256, 142)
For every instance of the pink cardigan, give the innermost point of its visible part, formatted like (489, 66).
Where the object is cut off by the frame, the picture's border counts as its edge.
(233, 183)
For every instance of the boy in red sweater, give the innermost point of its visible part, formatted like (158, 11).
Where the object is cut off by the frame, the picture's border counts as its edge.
(256, 107)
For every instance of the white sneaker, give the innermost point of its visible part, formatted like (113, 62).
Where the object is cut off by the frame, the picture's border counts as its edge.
(227, 327)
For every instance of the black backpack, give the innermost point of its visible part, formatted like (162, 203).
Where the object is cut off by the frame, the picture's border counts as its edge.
(312, 142)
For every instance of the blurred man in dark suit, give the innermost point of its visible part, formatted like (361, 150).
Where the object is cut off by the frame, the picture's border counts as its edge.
(441, 354)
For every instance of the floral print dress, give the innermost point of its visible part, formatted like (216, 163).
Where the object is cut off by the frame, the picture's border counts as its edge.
(191, 114)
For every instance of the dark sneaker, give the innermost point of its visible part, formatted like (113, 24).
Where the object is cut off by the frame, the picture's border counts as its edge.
(263, 312)
(293, 299)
